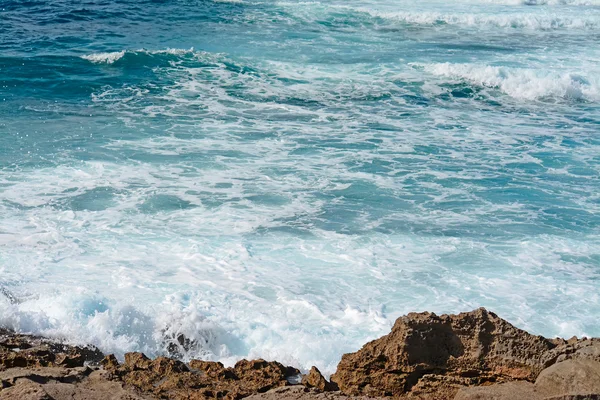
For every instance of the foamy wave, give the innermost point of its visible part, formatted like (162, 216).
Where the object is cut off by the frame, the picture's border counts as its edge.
(522, 83)
(112, 57)
(561, 2)
(104, 58)
(515, 21)
(544, 2)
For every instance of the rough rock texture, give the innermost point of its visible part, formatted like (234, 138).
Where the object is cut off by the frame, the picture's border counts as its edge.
(426, 354)
(31, 351)
(303, 393)
(314, 379)
(469, 356)
(57, 383)
(33, 368)
(168, 378)
(578, 377)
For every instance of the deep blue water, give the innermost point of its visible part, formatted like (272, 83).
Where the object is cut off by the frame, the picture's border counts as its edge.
(284, 179)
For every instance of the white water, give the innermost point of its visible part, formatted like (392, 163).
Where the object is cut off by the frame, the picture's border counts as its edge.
(312, 171)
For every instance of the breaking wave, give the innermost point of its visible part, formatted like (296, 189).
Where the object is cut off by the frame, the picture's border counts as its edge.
(544, 2)
(519, 83)
(112, 57)
(546, 22)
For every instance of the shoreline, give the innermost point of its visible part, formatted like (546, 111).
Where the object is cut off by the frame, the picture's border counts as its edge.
(473, 355)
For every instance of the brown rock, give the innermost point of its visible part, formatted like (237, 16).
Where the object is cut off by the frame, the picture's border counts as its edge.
(425, 357)
(70, 360)
(168, 378)
(136, 361)
(451, 350)
(261, 375)
(504, 391)
(214, 370)
(570, 377)
(25, 390)
(588, 349)
(110, 362)
(303, 393)
(31, 351)
(315, 379)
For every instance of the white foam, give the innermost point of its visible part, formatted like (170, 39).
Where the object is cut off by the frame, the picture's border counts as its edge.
(523, 83)
(104, 58)
(543, 2)
(534, 22)
(249, 259)
(112, 57)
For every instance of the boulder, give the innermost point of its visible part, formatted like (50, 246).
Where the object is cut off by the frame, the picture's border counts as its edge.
(570, 377)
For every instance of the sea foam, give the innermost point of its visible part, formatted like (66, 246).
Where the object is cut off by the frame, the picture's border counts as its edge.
(523, 83)
(106, 58)
(304, 175)
(547, 22)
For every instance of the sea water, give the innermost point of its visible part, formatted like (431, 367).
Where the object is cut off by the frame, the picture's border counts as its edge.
(282, 179)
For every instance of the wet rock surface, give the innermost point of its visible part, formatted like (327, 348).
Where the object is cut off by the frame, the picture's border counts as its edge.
(20, 351)
(468, 356)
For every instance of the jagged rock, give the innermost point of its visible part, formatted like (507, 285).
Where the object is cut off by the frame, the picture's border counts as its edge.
(19, 351)
(165, 377)
(70, 360)
(110, 362)
(314, 379)
(450, 350)
(303, 393)
(137, 361)
(575, 349)
(263, 375)
(212, 369)
(425, 357)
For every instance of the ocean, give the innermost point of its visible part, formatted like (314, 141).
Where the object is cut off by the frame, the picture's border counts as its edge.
(283, 179)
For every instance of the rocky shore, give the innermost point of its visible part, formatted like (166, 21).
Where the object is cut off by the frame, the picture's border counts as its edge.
(474, 355)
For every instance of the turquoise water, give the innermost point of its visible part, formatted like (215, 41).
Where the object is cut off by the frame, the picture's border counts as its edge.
(284, 179)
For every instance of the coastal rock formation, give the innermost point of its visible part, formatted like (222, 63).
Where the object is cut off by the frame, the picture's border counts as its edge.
(58, 383)
(426, 354)
(20, 351)
(304, 393)
(570, 379)
(469, 356)
(168, 378)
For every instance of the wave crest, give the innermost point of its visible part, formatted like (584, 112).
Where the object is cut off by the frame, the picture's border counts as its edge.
(519, 83)
(104, 58)
(112, 57)
(544, 22)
